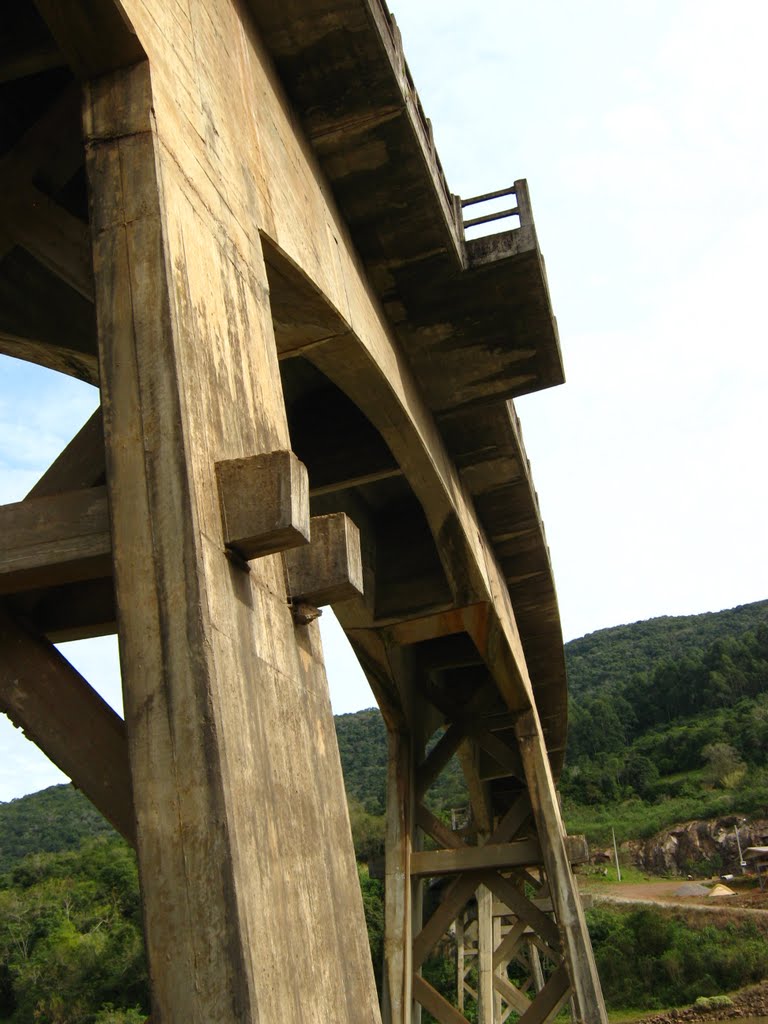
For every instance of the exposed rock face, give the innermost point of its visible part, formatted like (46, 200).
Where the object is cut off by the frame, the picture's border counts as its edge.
(697, 846)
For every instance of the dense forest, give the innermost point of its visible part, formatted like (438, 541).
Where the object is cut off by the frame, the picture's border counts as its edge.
(673, 737)
(668, 720)
(71, 949)
(619, 652)
(55, 819)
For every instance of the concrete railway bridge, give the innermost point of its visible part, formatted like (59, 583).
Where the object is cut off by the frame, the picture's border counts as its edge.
(229, 215)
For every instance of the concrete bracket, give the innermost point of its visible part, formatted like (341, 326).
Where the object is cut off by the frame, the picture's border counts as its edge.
(330, 568)
(264, 501)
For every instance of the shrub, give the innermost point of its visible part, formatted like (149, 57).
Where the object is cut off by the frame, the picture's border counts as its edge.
(657, 959)
(713, 1002)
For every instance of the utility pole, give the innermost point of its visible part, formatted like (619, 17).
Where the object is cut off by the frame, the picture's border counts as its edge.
(742, 862)
(616, 854)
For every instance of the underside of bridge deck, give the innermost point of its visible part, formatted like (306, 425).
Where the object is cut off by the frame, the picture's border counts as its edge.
(232, 220)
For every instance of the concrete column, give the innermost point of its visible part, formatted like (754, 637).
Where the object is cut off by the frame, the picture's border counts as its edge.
(247, 867)
(397, 1001)
(495, 946)
(460, 961)
(485, 992)
(564, 892)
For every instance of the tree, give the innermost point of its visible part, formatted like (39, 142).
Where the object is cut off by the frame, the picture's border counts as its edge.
(640, 773)
(724, 767)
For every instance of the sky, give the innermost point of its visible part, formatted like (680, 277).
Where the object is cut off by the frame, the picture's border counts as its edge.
(640, 128)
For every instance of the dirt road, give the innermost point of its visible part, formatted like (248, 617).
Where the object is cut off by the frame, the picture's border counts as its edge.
(750, 901)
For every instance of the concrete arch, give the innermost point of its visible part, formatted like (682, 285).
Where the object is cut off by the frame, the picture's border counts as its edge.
(393, 403)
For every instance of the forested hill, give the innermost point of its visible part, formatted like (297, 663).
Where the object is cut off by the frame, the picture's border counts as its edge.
(649, 702)
(668, 722)
(55, 819)
(698, 671)
(615, 654)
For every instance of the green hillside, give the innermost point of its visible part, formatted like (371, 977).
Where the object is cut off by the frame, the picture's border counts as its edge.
(672, 737)
(50, 821)
(612, 655)
(362, 739)
(647, 701)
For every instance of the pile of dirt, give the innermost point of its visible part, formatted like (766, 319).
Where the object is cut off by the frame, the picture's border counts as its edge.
(691, 889)
(721, 890)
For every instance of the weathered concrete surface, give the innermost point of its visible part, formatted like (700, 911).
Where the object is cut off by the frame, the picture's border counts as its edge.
(264, 503)
(396, 210)
(278, 265)
(241, 824)
(329, 569)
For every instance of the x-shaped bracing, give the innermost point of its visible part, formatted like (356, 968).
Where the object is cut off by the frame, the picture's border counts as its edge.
(500, 864)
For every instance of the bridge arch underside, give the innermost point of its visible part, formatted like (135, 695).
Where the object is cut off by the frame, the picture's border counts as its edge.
(425, 553)
(421, 633)
(456, 628)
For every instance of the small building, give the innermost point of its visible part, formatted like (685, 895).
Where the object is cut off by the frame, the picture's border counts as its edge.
(757, 858)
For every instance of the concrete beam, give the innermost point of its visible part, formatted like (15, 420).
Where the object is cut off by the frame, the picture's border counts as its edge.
(55, 539)
(52, 235)
(545, 905)
(94, 36)
(524, 853)
(81, 464)
(43, 695)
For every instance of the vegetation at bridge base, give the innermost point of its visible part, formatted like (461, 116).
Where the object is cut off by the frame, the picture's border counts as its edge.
(71, 948)
(654, 959)
(669, 722)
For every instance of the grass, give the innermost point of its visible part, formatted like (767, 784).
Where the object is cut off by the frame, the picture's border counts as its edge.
(627, 1015)
(635, 819)
(629, 875)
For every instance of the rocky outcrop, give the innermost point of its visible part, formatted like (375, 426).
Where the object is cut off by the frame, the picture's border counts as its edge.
(697, 847)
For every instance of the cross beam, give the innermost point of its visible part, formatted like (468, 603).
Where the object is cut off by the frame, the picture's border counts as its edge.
(43, 695)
